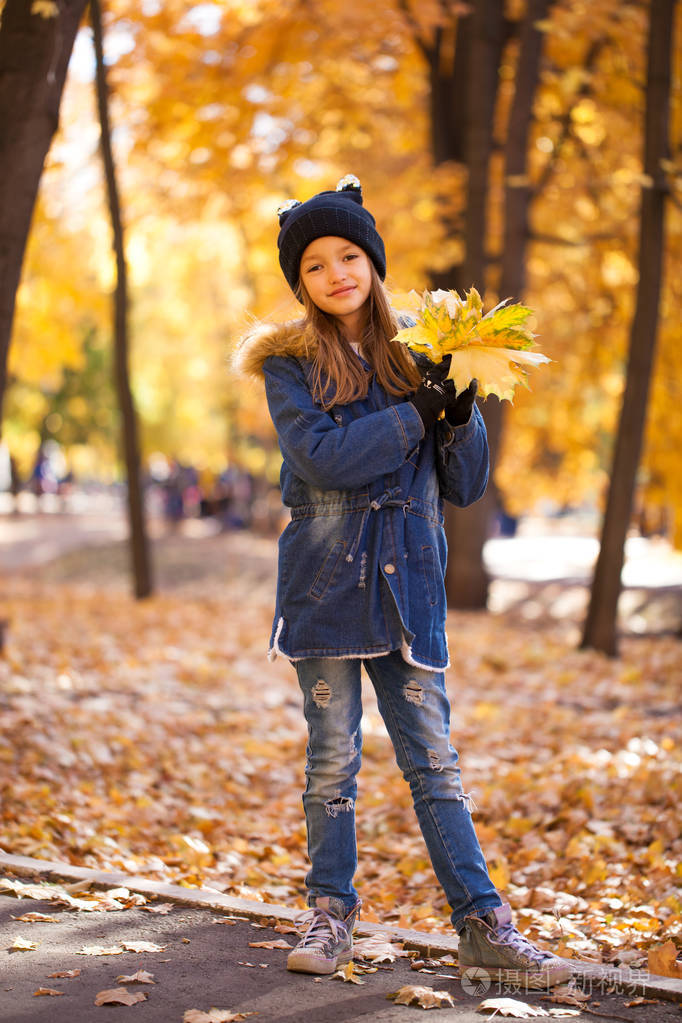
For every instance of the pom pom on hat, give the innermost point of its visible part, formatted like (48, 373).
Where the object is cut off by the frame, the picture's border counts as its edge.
(339, 213)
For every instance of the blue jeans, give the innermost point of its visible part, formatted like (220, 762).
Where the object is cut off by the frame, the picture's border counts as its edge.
(416, 712)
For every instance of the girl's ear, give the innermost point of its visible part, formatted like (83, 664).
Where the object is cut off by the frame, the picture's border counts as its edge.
(285, 209)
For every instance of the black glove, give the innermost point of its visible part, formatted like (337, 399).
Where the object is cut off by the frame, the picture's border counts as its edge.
(434, 393)
(458, 409)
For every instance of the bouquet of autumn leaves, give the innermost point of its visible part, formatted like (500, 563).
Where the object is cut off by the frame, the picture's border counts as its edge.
(494, 348)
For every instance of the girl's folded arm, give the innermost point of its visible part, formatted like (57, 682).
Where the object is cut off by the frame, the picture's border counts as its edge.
(335, 457)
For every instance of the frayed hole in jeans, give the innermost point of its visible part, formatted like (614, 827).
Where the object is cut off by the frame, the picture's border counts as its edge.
(413, 693)
(342, 804)
(321, 694)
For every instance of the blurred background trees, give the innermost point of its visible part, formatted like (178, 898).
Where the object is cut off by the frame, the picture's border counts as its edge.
(499, 144)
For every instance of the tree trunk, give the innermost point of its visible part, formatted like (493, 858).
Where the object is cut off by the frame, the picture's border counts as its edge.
(600, 630)
(138, 533)
(448, 90)
(469, 528)
(34, 56)
(517, 183)
(466, 581)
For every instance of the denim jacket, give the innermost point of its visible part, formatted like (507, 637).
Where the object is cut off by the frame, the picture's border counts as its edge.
(362, 561)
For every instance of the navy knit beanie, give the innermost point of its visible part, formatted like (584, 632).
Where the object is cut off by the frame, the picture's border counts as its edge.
(338, 213)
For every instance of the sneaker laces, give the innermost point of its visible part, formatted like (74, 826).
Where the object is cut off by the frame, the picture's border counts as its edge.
(322, 928)
(507, 934)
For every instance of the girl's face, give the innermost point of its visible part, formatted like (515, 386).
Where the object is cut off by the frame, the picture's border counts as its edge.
(337, 275)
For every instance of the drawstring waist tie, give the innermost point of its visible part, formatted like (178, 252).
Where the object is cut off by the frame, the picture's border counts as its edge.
(389, 499)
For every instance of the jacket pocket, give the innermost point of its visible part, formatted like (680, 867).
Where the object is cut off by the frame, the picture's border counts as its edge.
(324, 576)
(431, 574)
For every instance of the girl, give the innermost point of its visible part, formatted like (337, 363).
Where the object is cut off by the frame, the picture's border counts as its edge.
(373, 439)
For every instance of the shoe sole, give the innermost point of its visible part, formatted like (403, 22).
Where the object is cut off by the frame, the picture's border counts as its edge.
(305, 962)
(518, 978)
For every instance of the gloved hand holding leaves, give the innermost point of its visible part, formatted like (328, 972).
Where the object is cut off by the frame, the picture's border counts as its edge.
(458, 409)
(434, 393)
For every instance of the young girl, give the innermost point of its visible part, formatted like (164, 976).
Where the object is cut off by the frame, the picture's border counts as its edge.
(373, 439)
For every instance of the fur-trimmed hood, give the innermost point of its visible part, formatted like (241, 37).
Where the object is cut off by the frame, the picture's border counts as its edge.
(271, 339)
(289, 339)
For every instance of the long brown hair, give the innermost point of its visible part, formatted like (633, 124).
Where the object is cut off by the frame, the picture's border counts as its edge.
(335, 361)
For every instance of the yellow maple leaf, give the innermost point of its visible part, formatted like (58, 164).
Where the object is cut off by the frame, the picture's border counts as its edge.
(494, 348)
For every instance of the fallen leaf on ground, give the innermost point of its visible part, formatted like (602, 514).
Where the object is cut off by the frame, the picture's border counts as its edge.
(215, 1016)
(511, 1007)
(424, 997)
(127, 898)
(567, 996)
(276, 943)
(378, 949)
(642, 1001)
(348, 973)
(142, 946)
(662, 960)
(119, 996)
(63, 895)
(64, 973)
(162, 909)
(101, 950)
(23, 945)
(141, 977)
(35, 918)
(53, 893)
(22, 890)
(522, 1010)
(46, 991)
(365, 967)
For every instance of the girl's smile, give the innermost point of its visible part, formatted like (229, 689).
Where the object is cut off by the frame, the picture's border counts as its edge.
(346, 290)
(337, 275)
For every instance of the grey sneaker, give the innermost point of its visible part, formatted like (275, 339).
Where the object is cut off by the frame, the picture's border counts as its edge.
(491, 948)
(328, 938)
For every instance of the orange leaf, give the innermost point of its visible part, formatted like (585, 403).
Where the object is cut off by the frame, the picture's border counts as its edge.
(119, 996)
(663, 960)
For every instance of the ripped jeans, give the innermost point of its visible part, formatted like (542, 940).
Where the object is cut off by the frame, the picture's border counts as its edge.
(416, 712)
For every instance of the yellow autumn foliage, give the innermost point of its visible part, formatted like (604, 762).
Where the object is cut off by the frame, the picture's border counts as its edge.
(493, 348)
(284, 100)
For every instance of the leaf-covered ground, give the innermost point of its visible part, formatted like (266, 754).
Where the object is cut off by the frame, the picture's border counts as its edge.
(155, 737)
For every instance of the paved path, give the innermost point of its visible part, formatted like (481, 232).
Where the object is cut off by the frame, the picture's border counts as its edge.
(203, 962)
(29, 540)
(536, 555)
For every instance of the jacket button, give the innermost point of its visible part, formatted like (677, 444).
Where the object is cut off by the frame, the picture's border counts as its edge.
(389, 569)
